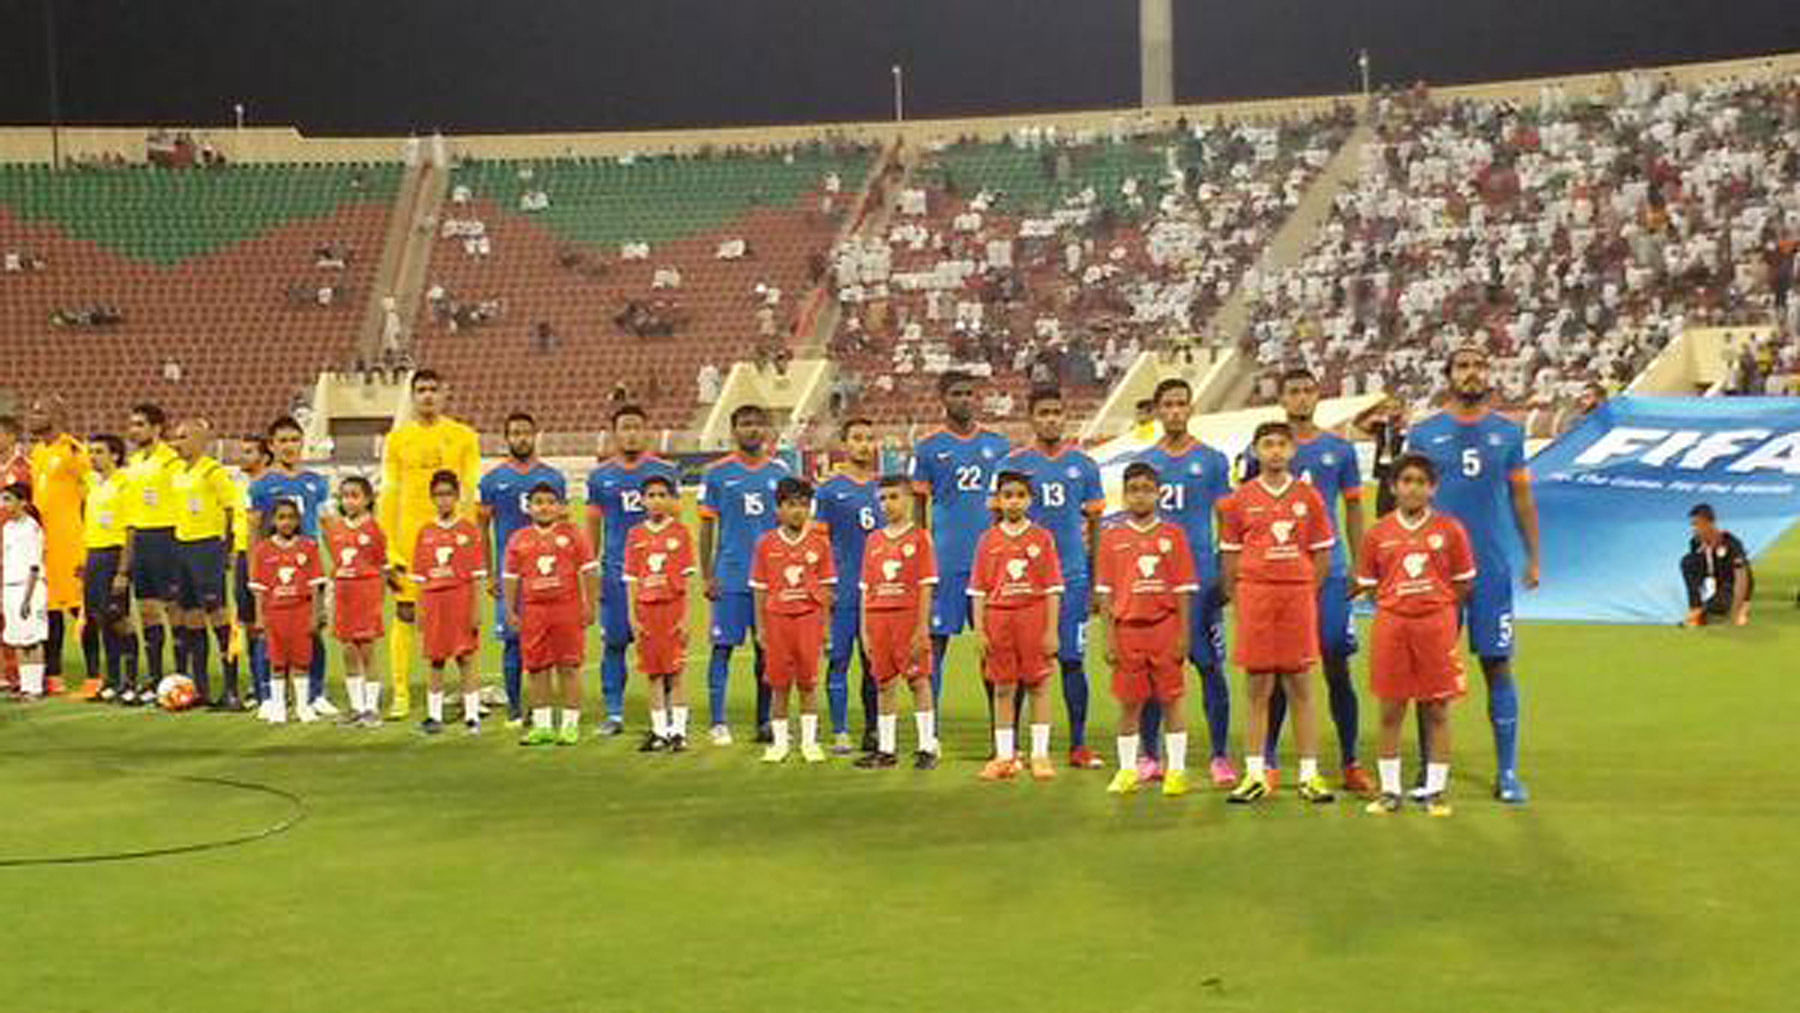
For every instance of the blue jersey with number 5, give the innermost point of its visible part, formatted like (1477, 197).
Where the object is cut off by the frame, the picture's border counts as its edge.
(1191, 483)
(739, 494)
(956, 472)
(850, 510)
(615, 489)
(1475, 461)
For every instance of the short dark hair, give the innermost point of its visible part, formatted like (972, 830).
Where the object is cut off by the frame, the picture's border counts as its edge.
(112, 443)
(894, 482)
(1007, 478)
(851, 423)
(1039, 395)
(10, 423)
(1142, 469)
(444, 476)
(1295, 373)
(1703, 511)
(667, 483)
(746, 409)
(628, 409)
(950, 378)
(1419, 463)
(358, 482)
(1172, 383)
(423, 376)
(520, 416)
(1271, 429)
(261, 442)
(1475, 350)
(546, 487)
(284, 504)
(152, 413)
(792, 489)
(1145, 404)
(285, 422)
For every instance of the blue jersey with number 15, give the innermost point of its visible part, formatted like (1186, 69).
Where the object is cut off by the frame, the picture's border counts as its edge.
(957, 473)
(739, 494)
(1191, 483)
(616, 490)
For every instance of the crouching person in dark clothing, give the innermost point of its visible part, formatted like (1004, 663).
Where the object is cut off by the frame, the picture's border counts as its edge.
(1716, 572)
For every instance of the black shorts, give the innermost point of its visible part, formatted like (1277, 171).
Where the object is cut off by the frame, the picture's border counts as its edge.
(240, 591)
(155, 572)
(202, 573)
(98, 600)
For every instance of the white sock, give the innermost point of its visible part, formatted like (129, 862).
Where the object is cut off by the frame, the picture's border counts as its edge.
(301, 704)
(543, 717)
(779, 728)
(1437, 777)
(887, 733)
(659, 723)
(1175, 751)
(278, 696)
(1040, 741)
(926, 722)
(1253, 765)
(434, 704)
(472, 706)
(678, 718)
(1128, 752)
(1309, 768)
(31, 678)
(571, 719)
(371, 695)
(809, 729)
(1003, 743)
(354, 683)
(1389, 768)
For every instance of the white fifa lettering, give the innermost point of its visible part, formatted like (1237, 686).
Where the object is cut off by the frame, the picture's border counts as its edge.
(1725, 443)
(1619, 442)
(1779, 454)
(1667, 449)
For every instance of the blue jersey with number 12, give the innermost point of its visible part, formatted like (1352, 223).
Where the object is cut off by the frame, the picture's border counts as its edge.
(1065, 492)
(505, 494)
(957, 472)
(1192, 483)
(739, 494)
(850, 510)
(1476, 461)
(616, 489)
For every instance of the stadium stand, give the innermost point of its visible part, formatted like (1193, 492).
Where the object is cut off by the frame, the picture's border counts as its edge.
(223, 290)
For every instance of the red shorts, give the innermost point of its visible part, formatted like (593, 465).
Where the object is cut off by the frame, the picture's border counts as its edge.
(1418, 657)
(358, 616)
(1015, 644)
(1150, 667)
(890, 646)
(659, 650)
(447, 623)
(1277, 627)
(794, 645)
(552, 634)
(289, 638)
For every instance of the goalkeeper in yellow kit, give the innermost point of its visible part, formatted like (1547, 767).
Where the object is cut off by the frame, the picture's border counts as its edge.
(430, 441)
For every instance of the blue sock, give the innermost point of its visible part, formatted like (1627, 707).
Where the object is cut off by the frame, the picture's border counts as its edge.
(1503, 714)
(512, 671)
(718, 676)
(1075, 697)
(764, 699)
(259, 667)
(837, 692)
(315, 675)
(1277, 715)
(612, 680)
(1150, 730)
(940, 646)
(1344, 711)
(1216, 699)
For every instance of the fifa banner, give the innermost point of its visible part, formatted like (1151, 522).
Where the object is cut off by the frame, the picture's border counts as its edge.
(1613, 497)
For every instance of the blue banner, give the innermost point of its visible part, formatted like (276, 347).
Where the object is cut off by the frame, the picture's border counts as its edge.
(1614, 493)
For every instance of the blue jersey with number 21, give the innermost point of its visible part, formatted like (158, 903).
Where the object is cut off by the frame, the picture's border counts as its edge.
(1191, 483)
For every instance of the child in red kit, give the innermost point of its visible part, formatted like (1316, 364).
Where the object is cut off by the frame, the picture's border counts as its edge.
(358, 552)
(899, 572)
(552, 593)
(659, 564)
(285, 576)
(1015, 595)
(447, 561)
(792, 578)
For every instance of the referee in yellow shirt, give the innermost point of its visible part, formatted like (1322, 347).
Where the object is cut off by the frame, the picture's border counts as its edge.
(148, 566)
(59, 473)
(106, 607)
(207, 508)
(410, 455)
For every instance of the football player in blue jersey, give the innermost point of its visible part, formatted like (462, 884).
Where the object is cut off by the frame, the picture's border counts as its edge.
(1328, 462)
(287, 482)
(1067, 501)
(1485, 485)
(847, 507)
(952, 471)
(615, 505)
(737, 506)
(1193, 479)
(504, 497)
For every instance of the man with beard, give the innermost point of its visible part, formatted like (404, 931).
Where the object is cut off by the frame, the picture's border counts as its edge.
(504, 497)
(59, 474)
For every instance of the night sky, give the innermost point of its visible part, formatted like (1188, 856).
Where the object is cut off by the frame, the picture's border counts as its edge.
(332, 67)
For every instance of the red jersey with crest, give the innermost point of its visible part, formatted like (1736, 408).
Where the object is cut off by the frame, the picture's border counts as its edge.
(1274, 532)
(548, 562)
(448, 555)
(897, 568)
(1016, 569)
(286, 574)
(659, 561)
(358, 551)
(793, 571)
(1414, 567)
(1145, 569)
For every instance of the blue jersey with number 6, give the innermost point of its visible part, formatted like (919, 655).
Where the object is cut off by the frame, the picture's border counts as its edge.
(1190, 485)
(739, 494)
(850, 510)
(615, 489)
(505, 493)
(957, 472)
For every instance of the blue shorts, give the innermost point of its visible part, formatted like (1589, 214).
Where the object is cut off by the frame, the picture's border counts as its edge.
(1489, 615)
(1337, 631)
(155, 570)
(1072, 625)
(733, 618)
(615, 610)
(202, 573)
(950, 608)
(846, 625)
(1207, 637)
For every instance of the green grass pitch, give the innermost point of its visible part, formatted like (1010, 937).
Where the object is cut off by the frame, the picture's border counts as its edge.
(1654, 870)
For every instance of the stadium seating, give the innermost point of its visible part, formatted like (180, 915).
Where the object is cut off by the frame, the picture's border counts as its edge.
(563, 265)
(213, 273)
